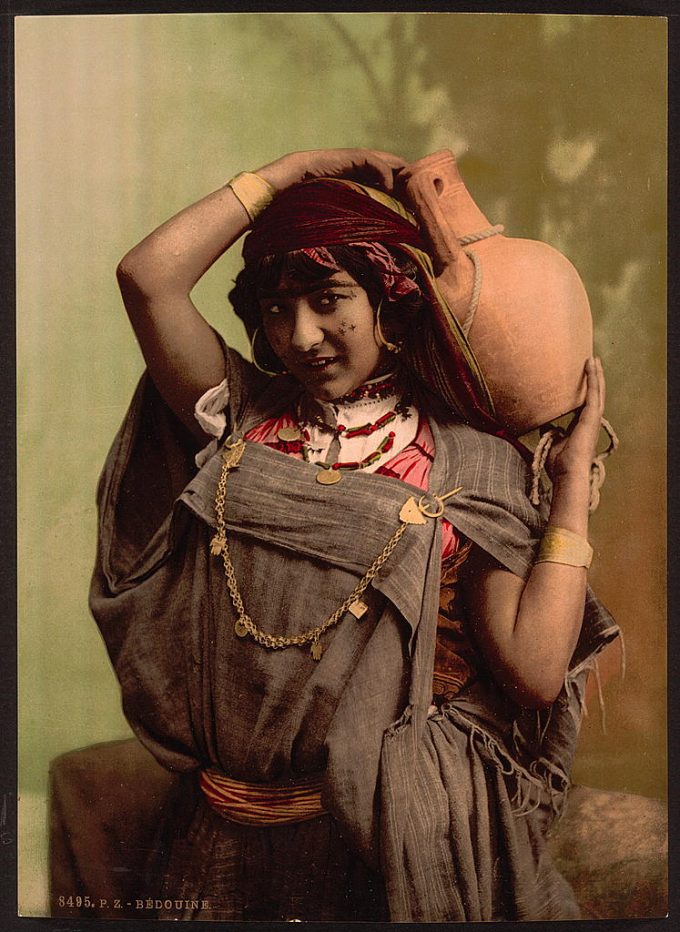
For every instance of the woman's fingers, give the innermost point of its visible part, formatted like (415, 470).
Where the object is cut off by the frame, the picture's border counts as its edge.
(585, 428)
(374, 166)
(575, 448)
(601, 383)
(385, 174)
(595, 391)
(395, 161)
(371, 166)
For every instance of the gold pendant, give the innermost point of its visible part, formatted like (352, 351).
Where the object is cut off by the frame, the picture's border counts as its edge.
(240, 629)
(217, 545)
(233, 453)
(358, 609)
(328, 476)
(288, 434)
(411, 514)
(316, 651)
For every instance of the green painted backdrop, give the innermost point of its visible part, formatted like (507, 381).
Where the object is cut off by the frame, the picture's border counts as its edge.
(559, 126)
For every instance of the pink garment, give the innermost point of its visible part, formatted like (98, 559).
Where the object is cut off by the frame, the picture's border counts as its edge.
(412, 464)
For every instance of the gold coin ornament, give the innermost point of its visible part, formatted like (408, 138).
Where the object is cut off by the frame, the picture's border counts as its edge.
(411, 514)
(328, 476)
(316, 651)
(289, 434)
(217, 545)
(240, 629)
(358, 609)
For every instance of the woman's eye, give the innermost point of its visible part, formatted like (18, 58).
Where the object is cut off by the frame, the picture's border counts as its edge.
(329, 298)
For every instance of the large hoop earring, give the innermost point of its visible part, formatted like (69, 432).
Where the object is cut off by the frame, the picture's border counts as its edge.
(380, 336)
(254, 357)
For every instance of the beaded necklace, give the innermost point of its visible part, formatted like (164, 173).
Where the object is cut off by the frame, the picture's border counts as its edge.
(384, 446)
(401, 409)
(377, 388)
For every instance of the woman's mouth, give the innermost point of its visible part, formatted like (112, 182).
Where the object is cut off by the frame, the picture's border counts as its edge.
(319, 364)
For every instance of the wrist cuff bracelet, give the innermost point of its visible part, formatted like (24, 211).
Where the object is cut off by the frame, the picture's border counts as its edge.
(253, 192)
(562, 546)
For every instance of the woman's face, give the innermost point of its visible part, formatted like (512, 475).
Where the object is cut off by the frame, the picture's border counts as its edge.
(324, 333)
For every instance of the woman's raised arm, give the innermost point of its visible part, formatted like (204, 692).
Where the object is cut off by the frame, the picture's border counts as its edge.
(528, 631)
(156, 277)
(182, 352)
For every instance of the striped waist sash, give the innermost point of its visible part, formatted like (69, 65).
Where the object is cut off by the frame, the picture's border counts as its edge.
(260, 803)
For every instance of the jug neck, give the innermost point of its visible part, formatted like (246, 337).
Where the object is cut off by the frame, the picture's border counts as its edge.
(439, 191)
(462, 213)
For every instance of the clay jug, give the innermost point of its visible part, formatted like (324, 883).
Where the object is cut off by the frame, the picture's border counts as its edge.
(531, 332)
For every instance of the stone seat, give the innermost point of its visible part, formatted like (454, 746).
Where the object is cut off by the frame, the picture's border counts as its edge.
(107, 801)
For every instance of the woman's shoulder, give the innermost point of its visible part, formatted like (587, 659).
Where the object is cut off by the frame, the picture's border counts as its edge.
(492, 506)
(500, 450)
(461, 439)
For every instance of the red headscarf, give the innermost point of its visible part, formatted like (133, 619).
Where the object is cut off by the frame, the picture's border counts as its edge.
(325, 212)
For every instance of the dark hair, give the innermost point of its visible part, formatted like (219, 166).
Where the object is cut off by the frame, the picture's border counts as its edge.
(266, 274)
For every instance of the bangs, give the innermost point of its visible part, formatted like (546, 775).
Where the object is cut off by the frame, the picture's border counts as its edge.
(296, 265)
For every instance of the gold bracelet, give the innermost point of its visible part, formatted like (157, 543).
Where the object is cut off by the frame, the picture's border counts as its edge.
(253, 192)
(562, 546)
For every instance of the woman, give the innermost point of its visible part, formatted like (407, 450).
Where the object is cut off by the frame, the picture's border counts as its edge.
(344, 622)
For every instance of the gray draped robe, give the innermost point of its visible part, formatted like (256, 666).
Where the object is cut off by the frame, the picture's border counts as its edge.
(432, 817)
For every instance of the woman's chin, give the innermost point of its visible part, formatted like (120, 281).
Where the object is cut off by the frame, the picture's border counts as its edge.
(331, 389)
(334, 380)
(329, 383)
(327, 392)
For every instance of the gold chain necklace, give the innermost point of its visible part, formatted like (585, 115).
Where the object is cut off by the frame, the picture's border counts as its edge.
(412, 512)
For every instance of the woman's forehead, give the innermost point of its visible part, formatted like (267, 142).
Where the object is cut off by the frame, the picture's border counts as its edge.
(290, 286)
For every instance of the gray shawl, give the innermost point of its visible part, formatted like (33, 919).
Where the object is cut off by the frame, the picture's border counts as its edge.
(196, 695)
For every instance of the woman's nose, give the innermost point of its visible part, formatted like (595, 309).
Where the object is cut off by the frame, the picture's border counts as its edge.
(306, 333)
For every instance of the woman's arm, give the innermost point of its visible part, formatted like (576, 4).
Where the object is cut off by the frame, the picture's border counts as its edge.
(527, 631)
(156, 277)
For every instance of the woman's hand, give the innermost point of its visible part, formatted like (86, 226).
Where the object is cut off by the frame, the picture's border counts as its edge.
(369, 166)
(573, 452)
